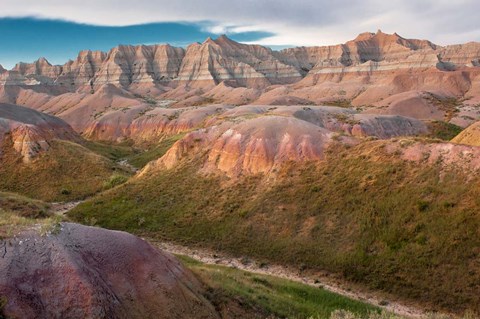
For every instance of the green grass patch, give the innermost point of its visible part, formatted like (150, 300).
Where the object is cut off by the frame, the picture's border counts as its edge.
(19, 213)
(339, 103)
(275, 296)
(443, 130)
(110, 150)
(154, 152)
(115, 180)
(23, 206)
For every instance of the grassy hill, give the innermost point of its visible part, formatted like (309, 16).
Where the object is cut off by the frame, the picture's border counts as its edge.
(407, 228)
(19, 212)
(67, 171)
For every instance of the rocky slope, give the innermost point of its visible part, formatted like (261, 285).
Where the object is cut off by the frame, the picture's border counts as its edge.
(259, 139)
(31, 132)
(84, 272)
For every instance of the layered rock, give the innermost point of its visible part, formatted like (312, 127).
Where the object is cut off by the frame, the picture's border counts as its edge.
(125, 65)
(225, 60)
(41, 67)
(214, 61)
(462, 55)
(30, 132)
(82, 70)
(255, 139)
(85, 272)
(252, 146)
(382, 51)
(448, 155)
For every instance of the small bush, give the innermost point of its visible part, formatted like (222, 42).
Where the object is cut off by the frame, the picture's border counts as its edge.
(65, 191)
(422, 205)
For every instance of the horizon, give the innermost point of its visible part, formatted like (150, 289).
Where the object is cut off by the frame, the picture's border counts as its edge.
(249, 37)
(58, 30)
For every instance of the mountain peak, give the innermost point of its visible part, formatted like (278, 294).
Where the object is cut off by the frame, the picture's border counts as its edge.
(209, 40)
(43, 61)
(224, 37)
(364, 36)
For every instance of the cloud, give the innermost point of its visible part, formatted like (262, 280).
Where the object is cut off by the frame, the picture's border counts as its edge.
(300, 22)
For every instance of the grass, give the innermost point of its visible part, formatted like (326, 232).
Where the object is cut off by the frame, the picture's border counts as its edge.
(18, 213)
(115, 180)
(449, 105)
(443, 130)
(110, 150)
(67, 171)
(23, 206)
(405, 228)
(340, 103)
(274, 296)
(141, 159)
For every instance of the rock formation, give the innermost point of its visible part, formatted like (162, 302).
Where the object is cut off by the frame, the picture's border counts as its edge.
(84, 272)
(109, 95)
(29, 131)
(258, 139)
(214, 61)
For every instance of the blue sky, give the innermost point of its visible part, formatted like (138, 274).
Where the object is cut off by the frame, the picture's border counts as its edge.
(102, 24)
(27, 39)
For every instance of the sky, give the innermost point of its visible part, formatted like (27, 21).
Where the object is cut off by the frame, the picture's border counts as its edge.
(58, 29)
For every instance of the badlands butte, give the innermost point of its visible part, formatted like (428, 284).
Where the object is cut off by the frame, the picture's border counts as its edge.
(359, 160)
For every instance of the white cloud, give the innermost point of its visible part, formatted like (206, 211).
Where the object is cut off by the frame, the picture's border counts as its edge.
(300, 22)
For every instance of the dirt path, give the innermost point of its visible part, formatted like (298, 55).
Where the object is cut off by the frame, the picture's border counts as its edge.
(323, 280)
(62, 208)
(129, 167)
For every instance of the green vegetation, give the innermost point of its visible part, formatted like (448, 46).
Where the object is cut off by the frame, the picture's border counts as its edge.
(68, 171)
(405, 228)
(115, 180)
(18, 213)
(279, 297)
(141, 159)
(23, 206)
(340, 103)
(449, 105)
(443, 130)
(110, 150)
(3, 303)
